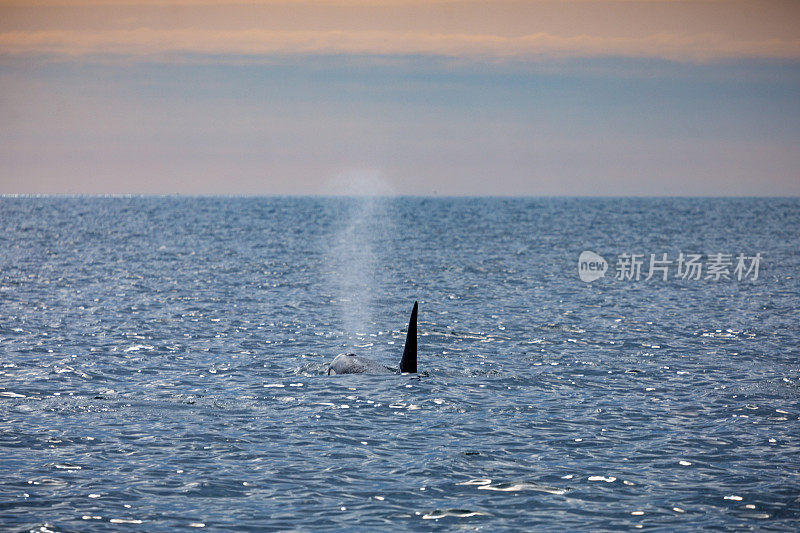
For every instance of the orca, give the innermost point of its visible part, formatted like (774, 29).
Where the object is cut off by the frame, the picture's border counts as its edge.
(350, 363)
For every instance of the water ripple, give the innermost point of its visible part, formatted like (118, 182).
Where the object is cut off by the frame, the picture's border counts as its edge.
(164, 361)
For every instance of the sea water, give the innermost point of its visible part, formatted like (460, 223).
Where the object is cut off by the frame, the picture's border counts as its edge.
(163, 361)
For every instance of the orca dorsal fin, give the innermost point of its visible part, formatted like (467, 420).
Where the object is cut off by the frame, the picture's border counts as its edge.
(409, 361)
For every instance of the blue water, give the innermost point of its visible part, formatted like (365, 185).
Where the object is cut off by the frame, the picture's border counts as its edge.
(162, 365)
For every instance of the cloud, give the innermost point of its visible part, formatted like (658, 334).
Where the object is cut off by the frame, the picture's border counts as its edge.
(150, 42)
(679, 30)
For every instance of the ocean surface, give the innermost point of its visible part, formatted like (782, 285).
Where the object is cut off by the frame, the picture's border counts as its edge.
(163, 364)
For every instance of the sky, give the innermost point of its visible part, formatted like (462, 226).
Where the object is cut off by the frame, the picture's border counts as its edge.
(412, 97)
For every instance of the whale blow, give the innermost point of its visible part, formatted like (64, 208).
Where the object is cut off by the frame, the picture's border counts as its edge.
(353, 364)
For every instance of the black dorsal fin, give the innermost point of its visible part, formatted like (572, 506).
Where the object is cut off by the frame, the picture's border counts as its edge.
(409, 361)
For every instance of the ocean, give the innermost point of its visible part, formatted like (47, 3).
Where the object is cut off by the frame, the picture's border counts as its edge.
(163, 364)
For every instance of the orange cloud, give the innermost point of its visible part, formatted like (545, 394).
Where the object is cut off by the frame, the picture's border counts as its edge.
(680, 30)
(256, 42)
